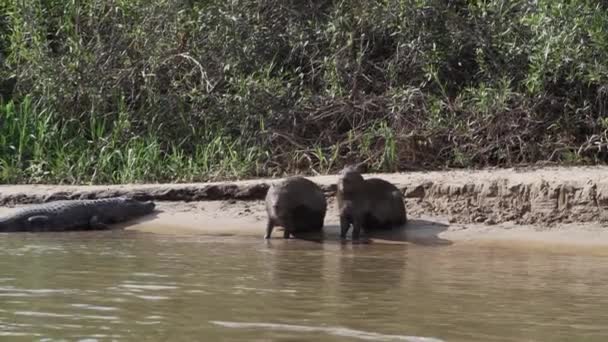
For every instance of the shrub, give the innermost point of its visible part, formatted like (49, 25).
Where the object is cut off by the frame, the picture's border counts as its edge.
(174, 90)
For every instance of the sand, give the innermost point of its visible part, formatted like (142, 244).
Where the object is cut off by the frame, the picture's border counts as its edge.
(561, 208)
(247, 219)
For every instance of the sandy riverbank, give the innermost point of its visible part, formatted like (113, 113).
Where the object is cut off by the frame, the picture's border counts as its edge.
(545, 205)
(246, 219)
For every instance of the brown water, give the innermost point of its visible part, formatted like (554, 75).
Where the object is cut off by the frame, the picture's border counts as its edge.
(105, 286)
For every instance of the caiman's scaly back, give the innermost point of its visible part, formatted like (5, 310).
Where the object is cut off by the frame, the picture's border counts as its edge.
(68, 215)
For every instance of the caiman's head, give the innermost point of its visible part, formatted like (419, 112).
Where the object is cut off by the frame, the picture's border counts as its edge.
(4, 225)
(133, 207)
(12, 224)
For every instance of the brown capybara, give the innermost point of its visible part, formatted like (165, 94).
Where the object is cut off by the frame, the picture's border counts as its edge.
(368, 204)
(296, 204)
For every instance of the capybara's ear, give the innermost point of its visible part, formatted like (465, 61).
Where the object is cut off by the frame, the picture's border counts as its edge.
(361, 167)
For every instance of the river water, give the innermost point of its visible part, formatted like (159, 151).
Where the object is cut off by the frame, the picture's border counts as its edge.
(122, 285)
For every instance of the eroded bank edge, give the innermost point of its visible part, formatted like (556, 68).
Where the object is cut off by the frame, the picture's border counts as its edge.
(487, 201)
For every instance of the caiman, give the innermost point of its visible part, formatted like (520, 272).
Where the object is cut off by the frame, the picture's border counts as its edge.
(72, 215)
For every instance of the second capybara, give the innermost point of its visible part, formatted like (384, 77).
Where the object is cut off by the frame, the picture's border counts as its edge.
(297, 204)
(368, 204)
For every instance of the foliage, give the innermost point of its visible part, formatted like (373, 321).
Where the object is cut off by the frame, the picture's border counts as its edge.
(183, 90)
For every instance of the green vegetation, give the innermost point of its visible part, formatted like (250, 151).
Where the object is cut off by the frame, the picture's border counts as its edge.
(185, 90)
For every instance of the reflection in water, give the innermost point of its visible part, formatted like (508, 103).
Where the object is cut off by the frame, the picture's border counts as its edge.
(371, 275)
(124, 285)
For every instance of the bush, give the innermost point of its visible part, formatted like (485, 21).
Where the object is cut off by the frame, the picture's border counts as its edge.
(182, 90)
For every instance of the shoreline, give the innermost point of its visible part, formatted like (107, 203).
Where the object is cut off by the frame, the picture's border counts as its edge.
(556, 205)
(247, 220)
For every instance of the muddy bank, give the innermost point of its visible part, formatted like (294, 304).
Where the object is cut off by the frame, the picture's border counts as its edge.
(522, 196)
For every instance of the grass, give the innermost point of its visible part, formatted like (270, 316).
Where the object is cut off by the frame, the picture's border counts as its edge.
(36, 148)
(177, 91)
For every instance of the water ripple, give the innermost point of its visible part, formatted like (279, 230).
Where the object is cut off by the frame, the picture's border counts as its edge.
(337, 331)
(57, 315)
(40, 314)
(35, 291)
(151, 297)
(263, 290)
(17, 334)
(151, 275)
(95, 307)
(148, 287)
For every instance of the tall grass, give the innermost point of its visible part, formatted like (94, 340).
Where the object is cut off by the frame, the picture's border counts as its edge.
(36, 147)
(126, 91)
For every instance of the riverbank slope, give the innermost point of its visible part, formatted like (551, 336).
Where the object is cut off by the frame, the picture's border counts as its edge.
(559, 204)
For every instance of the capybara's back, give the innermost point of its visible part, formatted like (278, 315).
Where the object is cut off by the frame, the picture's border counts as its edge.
(297, 204)
(387, 209)
(368, 204)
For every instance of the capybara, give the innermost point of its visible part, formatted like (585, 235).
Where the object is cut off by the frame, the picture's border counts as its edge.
(368, 204)
(297, 204)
